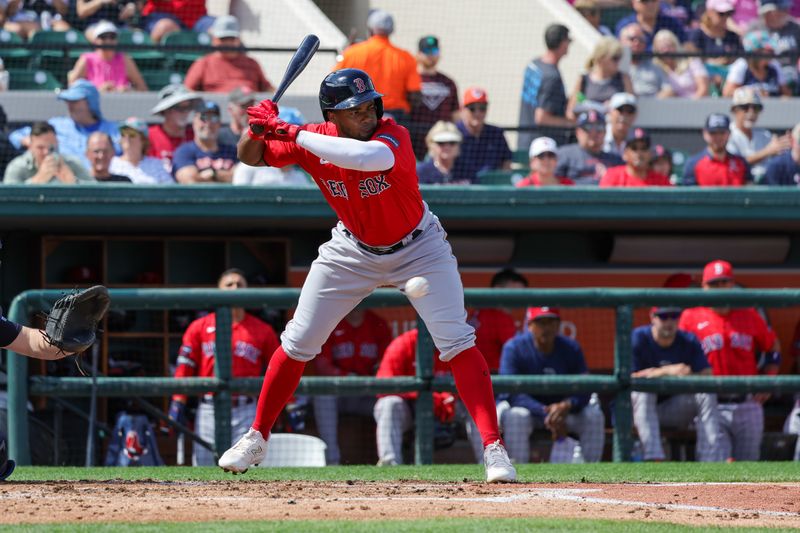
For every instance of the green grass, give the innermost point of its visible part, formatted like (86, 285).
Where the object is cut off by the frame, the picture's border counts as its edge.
(532, 473)
(459, 525)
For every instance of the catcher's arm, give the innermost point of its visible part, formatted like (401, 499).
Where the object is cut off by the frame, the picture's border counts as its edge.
(33, 343)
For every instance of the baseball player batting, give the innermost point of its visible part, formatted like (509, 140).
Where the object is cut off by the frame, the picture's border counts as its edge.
(365, 167)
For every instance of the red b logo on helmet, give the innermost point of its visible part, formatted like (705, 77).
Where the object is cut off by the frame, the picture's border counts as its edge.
(360, 85)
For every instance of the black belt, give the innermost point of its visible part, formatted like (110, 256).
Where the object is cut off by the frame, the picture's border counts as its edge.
(732, 398)
(385, 250)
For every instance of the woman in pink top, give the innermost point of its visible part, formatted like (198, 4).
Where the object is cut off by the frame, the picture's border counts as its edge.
(108, 69)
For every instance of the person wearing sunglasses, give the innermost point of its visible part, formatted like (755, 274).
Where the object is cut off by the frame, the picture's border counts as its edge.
(585, 162)
(602, 79)
(444, 145)
(109, 69)
(205, 160)
(756, 145)
(175, 105)
(785, 31)
(648, 14)
(647, 77)
(252, 344)
(737, 342)
(636, 172)
(714, 36)
(760, 70)
(687, 77)
(715, 166)
(543, 160)
(622, 114)
(660, 349)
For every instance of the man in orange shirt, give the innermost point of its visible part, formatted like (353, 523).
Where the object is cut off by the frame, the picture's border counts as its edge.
(392, 69)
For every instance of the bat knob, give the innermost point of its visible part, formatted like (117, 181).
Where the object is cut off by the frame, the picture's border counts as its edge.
(257, 129)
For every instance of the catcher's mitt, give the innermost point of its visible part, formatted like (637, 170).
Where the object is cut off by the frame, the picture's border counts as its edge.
(71, 325)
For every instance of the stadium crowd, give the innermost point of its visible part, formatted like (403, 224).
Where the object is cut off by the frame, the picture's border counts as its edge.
(747, 51)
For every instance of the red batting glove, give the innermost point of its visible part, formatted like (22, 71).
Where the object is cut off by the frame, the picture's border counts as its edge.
(270, 107)
(444, 406)
(258, 121)
(280, 130)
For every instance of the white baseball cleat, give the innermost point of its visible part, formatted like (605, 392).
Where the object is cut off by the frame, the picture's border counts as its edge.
(498, 466)
(249, 451)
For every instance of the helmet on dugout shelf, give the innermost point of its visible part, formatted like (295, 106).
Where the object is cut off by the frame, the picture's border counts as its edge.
(347, 88)
(6, 464)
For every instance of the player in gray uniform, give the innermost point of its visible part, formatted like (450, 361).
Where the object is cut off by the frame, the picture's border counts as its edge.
(542, 350)
(661, 349)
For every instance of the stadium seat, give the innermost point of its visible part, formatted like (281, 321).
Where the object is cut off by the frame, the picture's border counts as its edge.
(679, 159)
(61, 55)
(520, 157)
(182, 59)
(292, 449)
(14, 57)
(31, 80)
(156, 79)
(144, 58)
(498, 177)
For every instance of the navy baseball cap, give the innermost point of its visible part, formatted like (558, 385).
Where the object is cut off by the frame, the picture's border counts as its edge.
(591, 118)
(208, 107)
(717, 122)
(638, 134)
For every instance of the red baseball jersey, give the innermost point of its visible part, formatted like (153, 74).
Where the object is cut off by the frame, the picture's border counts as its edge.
(732, 342)
(358, 350)
(400, 359)
(620, 177)
(252, 345)
(493, 327)
(379, 208)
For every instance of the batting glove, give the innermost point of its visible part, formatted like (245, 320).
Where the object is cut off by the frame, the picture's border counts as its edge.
(270, 107)
(280, 130)
(444, 406)
(258, 120)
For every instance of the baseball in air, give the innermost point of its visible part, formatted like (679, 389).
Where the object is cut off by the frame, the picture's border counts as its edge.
(417, 287)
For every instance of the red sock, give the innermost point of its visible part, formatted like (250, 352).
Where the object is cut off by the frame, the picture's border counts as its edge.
(474, 384)
(280, 381)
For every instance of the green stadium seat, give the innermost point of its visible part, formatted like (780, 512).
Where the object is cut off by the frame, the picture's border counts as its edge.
(56, 60)
(520, 157)
(679, 159)
(497, 177)
(144, 58)
(31, 80)
(182, 59)
(610, 16)
(14, 57)
(156, 79)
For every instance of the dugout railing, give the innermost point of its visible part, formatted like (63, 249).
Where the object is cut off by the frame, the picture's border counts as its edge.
(620, 383)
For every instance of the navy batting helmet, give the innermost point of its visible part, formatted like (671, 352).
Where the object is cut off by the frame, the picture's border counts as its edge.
(346, 88)
(6, 464)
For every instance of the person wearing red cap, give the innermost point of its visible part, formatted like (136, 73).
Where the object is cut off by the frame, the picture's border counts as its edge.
(542, 350)
(484, 146)
(661, 349)
(636, 172)
(737, 342)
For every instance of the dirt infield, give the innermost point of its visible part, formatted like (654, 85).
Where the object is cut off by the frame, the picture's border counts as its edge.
(741, 504)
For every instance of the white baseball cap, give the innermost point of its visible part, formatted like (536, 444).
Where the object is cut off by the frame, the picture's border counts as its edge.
(621, 99)
(542, 145)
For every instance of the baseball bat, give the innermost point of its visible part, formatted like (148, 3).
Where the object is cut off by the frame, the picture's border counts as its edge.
(296, 65)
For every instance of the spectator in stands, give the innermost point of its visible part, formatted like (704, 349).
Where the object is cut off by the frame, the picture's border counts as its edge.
(7, 150)
(687, 77)
(660, 349)
(745, 14)
(99, 151)
(785, 32)
(544, 99)
(715, 166)
(542, 350)
(354, 348)
(764, 73)
(602, 79)
(755, 145)
(108, 69)
(785, 168)
(591, 12)
(713, 36)
(585, 162)
(288, 176)
(543, 162)
(392, 69)
(42, 163)
(792, 423)
(622, 112)
(636, 172)
(647, 78)
(483, 146)
(661, 163)
(175, 104)
(394, 412)
(252, 345)
(737, 342)
(238, 101)
(438, 99)
(224, 71)
(26, 17)
(161, 17)
(83, 104)
(90, 12)
(444, 142)
(648, 15)
(134, 162)
(204, 160)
